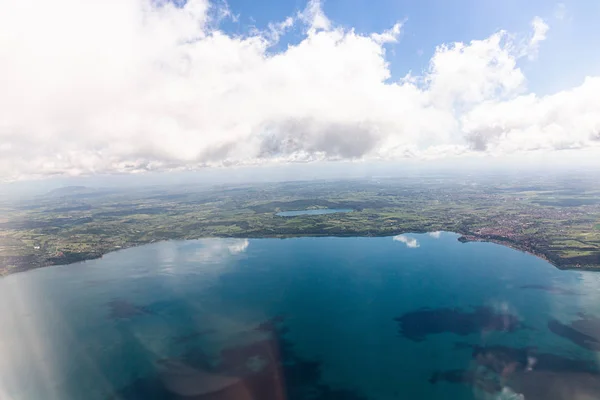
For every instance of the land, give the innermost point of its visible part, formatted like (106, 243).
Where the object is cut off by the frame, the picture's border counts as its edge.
(555, 218)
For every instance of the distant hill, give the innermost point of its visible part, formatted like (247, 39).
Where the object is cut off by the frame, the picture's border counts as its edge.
(80, 192)
(70, 190)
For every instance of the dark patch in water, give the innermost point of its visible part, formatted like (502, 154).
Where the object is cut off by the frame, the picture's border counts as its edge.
(123, 309)
(584, 331)
(192, 336)
(452, 376)
(272, 325)
(267, 369)
(199, 359)
(466, 376)
(549, 385)
(498, 358)
(550, 289)
(416, 325)
(144, 389)
(537, 376)
(462, 346)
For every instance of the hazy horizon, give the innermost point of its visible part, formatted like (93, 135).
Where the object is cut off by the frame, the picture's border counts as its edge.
(300, 172)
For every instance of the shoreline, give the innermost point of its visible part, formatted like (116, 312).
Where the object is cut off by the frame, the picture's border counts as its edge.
(466, 238)
(463, 238)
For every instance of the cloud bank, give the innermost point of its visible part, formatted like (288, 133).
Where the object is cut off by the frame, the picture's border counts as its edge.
(139, 85)
(411, 243)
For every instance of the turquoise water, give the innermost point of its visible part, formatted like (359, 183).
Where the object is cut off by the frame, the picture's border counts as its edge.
(305, 318)
(319, 211)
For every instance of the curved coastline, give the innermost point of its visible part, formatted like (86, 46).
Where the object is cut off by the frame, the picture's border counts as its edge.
(463, 238)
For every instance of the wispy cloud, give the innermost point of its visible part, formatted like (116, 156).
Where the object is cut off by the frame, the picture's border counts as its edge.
(540, 30)
(435, 235)
(560, 11)
(388, 36)
(408, 241)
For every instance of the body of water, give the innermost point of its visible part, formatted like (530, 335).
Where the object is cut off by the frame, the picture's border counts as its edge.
(318, 211)
(406, 317)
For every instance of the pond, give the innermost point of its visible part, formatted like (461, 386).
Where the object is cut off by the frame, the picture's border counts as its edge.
(415, 316)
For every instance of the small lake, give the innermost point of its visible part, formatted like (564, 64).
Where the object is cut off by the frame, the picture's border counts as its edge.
(318, 211)
(415, 316)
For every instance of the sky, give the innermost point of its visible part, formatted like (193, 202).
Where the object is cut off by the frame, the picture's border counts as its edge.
(127, 86)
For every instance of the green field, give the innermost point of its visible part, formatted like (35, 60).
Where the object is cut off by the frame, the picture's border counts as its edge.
(557, 220)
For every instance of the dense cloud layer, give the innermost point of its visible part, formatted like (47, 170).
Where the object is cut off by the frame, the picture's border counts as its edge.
(134, 85)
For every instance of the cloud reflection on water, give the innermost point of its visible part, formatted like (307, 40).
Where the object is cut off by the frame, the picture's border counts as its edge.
(239, 246)
(411, 243)
(216, 250)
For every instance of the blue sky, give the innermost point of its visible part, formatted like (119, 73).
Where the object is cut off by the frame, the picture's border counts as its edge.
(566, 57)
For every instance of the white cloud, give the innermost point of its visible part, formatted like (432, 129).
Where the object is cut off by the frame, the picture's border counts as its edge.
(540, 29)
(467, 74)
(388, 36)
(560, 11)
(314, 17)
(278, 29)
(411, 243)
(435, 235)
(137, 85)
(566, 120)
